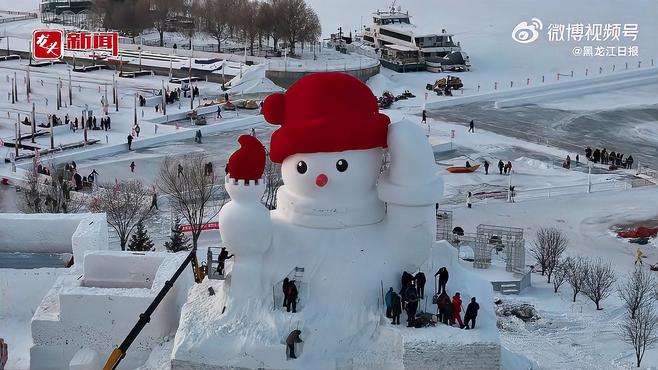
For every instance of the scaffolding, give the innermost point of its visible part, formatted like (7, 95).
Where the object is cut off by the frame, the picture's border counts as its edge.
(501, 239)
(296, 275)
(443, 224)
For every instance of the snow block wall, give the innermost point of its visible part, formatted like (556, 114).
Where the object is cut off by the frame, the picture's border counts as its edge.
(97, 311)
(21, 290)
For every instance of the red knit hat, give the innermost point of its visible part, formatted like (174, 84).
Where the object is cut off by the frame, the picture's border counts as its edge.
(248, 162)
(324, 112)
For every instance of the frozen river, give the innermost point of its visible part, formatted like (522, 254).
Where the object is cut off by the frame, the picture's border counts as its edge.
(631, 129)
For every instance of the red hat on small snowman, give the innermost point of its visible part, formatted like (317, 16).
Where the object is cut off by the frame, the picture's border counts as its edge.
(322, 113)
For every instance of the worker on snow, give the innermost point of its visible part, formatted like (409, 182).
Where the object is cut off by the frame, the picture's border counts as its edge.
(486, 167)
(500, 166)
(292, 293)
(412, 304)
(471, 313)
(443, 275)
(468, 200)
(457, 309)
(471, 127)
(221, 260)
(388, 300)
(420, 284)
(442, 304)
(292, 339)
(396, 308)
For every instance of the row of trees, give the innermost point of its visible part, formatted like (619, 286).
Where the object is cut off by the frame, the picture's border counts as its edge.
(595, 279)
(249, 21)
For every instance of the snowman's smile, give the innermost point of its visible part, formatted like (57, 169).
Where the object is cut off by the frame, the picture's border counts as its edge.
(321, 180)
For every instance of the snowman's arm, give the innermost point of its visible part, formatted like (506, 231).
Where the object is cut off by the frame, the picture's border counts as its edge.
(411, 185)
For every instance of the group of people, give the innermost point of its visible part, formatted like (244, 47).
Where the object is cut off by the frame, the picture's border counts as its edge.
(413, 290)
(132, 135)
(613, 159)
(449, 311)
(290, 295)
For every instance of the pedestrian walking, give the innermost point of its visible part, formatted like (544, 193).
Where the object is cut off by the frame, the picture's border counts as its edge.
(130, 141)
(468, 200)
(471, 127)
(501, 165)
(424, 116)
(132, 166)
(154, 200)
(486, 167)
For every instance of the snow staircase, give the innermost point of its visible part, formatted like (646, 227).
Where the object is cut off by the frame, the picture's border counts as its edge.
(510, 288)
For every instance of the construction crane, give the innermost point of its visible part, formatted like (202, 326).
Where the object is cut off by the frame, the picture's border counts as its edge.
(120, 352)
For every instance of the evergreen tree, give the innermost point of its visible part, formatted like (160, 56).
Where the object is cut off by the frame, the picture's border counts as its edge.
(140, 241)
(179, 241)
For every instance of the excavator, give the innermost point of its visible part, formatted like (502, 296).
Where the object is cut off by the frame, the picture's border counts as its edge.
(120, 352)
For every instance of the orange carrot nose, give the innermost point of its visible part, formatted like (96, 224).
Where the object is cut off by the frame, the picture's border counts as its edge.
(321, 180)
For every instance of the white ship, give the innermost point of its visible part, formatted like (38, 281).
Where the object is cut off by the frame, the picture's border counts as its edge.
(404, 47)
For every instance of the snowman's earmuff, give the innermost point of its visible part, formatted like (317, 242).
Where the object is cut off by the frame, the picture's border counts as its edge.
(273, 108)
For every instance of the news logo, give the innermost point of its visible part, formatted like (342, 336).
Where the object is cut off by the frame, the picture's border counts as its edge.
(49, 44)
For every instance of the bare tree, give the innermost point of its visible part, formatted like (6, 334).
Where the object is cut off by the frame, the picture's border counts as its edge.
(48, 194)
(131, 17)
(599, 281)
(640, 331)
(162, 12)
(265, 23)
(548, 247)
(192, 191)
(576, 270)
(559, 275)
(126, 204)
(637, 290)
(216, 20)
(273, 181)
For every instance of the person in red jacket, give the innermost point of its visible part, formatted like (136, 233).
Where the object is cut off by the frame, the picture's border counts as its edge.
(457, 308)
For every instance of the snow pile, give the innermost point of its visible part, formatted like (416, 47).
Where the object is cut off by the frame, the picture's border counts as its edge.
(252, 82)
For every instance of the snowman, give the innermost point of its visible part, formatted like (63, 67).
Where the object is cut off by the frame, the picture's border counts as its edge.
(356, 208)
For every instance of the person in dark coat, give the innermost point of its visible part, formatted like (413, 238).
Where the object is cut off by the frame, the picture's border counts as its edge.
(292, 339)
(132, 166)
(471, 313)
(588, 153)
(406, 280)
(486, 167)
(629, 162)
(396, 308)
(286, 283)
(130, 141)
(154, 201)
(292, 296)
(78, 181)
(388, 301)
(442, 304)
(501, 165)
(604, 156)
(449, 318)
(412, 305)
(424, 116)
(471, 127)
(443, 278)
(221, 260)
(420, 284)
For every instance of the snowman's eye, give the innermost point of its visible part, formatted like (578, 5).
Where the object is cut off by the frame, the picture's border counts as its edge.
(341, 165)
(302, 167)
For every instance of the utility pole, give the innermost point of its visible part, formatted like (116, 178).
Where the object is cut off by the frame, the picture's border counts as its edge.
(16, 136)
(59, 93)
(189, 76)
(70, 90)
(164, 100)
(34, 123)
(135, 112)
(52, 134)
